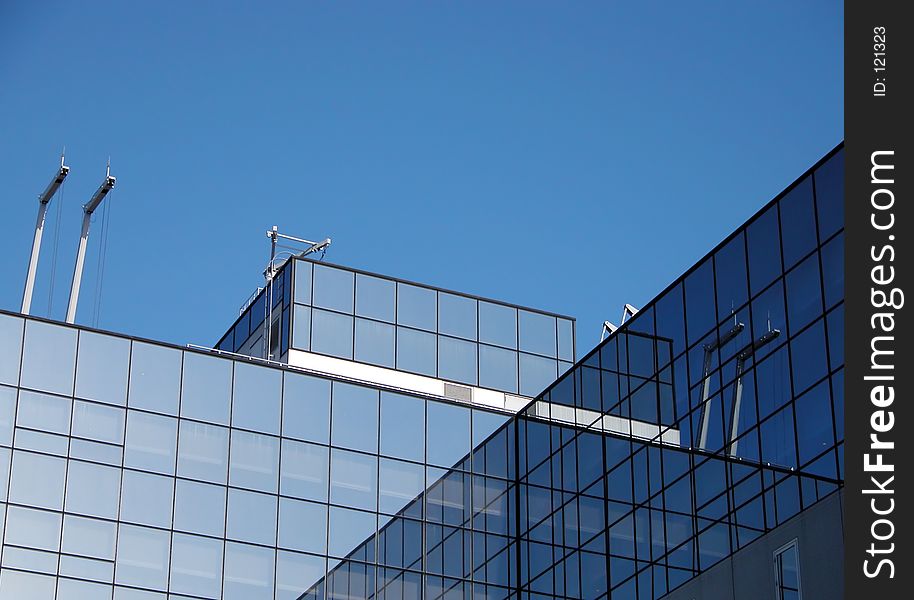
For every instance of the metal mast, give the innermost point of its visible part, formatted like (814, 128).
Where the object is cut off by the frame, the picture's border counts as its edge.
(106, 186)
(43, 200)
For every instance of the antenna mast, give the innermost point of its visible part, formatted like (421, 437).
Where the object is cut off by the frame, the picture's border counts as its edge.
(43, 200)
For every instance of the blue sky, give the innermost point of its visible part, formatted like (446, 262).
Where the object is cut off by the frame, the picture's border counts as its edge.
(568, 156)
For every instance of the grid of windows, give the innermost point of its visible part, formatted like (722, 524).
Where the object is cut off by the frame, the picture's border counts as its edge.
(135, 470)
(395, 324)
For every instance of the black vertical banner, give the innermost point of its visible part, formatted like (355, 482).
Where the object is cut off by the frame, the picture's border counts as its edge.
(879, 393)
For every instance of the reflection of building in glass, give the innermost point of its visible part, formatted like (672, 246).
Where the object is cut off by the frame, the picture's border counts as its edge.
(410, 442)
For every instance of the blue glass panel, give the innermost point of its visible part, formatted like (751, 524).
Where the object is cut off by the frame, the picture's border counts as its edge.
(764, 241)
(257, 395)
(537, 333)
(448, 434)
(700, 312)
(833, 270)
(375, 298)
(355, 417)
(301, 327)
(778, 444)
(10, 348)
(302, 272)
(566, 339)
(416, 307)
(302, 526)
(306, 408)
(47, 345)
(835, 325)
(304, 470)
(331, 333)
(457, 316)
(399, 484)
(333, 288)
(814, 423)
(830, 195)
(804, 293)
(536, 374)
(497, 368)
(353, 479)
(768, 314)
(401, 417)
(374, 342)
(348, 529)
(207, 388)
(497, 324)
(416, 351)
(808, 357)
(732, 281)
(457, 360)
(155, 378)
(798, 223)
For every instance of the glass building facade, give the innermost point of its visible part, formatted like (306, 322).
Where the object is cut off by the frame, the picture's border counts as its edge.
(133, 470)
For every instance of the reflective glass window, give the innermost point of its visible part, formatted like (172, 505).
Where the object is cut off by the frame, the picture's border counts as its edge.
(93, 490)
(448, 433)
(804, 293)
(207, 388)
(302, 525)
(830, 195)
(778, 444)
(457, 360)
(251, 517)
(764, 242)
(333, 288)
(537, 333)
(497, 324)
(248, 572)
(7, 414)
(49, 357)
(497, 368)
(416, 307)
(151, 442)
(331, 333)
(416, 351)
(401, 417)
(732, 281)
(257, 395)
(699, 302)
(98, 422)
(833, 270)
(254, 461)
(43, 492)
(199, 507)
(808, 357)
(400, 484)
(353, 479)
(566, 339)
(33, 528)
(768, 314)
(301, 327)
(302, 282)
(146, 499)
(355, 417)
(304, 470)
(306, 408)
(101, 368)
(536, 374)
(484, 423)
(203, 452)
(814, 423)
(669, 317)
(196, 566)
(798, 223)
(374, 342)
(155, 378)
(19, 585)
(787, 572)
(296, 572)
(88, 537)
(375, 298)
(10, 348)
(142, 557)
(44, 412)
(348, 529)
(457, 315)
(72, 589)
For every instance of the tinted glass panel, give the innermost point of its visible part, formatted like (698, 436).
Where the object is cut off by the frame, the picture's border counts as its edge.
(333, 288)
(457, 360)
(401, 417)
(830, 195)
(47, 345)
(155, 378)
(302, 282)
(566, 339)
(355, 417)
(374, 342)
(416, 307)
(353, 479)
(207, 388)
(416, 351)
(537, 333)
(804, 293)
(536, 373)
(10, 348)
(304, 470)
(302, 526)
(732, 281)
(497, 324)
(497, 368)
(301, 327)
(151, 442)
(196, 565)
(400, 484)
(457, 316)
(251, 517)
(203, 452)
(448, 433)
(331, 333)
(254, 461)
(146, 499)
(798, 223)
(257, 395)
(101, 371)
(306, 408)
(375, 298)
(200, 507)
(764, 240)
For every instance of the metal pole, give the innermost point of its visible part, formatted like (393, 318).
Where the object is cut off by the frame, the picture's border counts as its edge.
(88, 209)
(43, 200)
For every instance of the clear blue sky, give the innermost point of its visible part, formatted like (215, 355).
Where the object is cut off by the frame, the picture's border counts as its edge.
(568, 156)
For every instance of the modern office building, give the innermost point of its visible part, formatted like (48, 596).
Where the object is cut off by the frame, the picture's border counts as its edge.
(354, 436)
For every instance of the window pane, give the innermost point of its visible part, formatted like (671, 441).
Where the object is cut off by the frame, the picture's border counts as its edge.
(101, 371)
(151, 442)
(251, 517)
(48, 346)
(93, 490)
(248, 572)
(485, 423)
(7, 415)
(331, 333)
(45, 491)
(44, 412)
(457, 315)
(33, 528)
(304, 470)
(155, 378)
(457, 360)
(448, 433)
(333, 288)
(297, 572)
(833, 270)
(302, 525)
(17, 585)
(416, 351)
(306, 408)
(196, 565)
(257, 395)
(254, 461)
(146, 499)
(537, 333)
(301, 327)
(353, 479)
(97, 422)
(355, 417)
(374, 297)
(400, 484)
(401, 417)
(536, 374)
(199, 508)
(804, 294)
(732, 281)
(207, 388)
(88, 537)
(416, 307)
(348, 529)
(768, 314)
(302, 282)
(142, 557)
(566, 339)
(497, 368)
(10, 348)
(374, 342)
(764, 241)
(497, 324)
(830, 195)
(203, 452)
(699, 302)
(807, 357)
